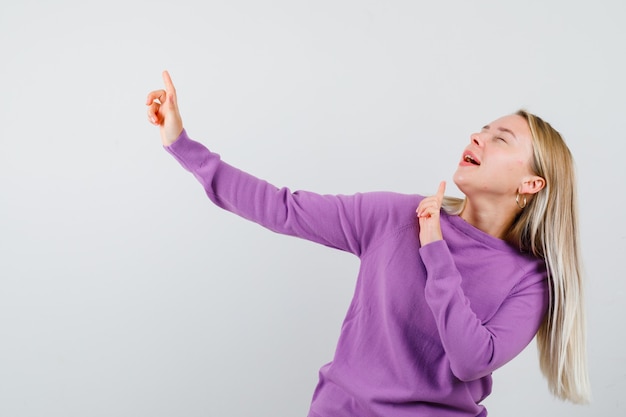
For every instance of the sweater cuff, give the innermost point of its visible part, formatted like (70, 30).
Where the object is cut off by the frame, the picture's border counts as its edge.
(178, 143)
(438, 260)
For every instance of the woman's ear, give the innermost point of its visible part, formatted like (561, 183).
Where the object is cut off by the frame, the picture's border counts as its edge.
(532, 185)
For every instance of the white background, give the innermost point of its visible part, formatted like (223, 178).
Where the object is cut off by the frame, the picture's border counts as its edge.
(124, 292)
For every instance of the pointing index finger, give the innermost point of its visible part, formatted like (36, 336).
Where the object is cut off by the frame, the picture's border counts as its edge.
(169, 85)
(440, 191)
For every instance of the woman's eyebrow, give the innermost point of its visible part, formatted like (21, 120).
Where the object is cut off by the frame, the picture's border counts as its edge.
(502, 129)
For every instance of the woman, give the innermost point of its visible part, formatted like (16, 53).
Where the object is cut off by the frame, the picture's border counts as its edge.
(444, 299)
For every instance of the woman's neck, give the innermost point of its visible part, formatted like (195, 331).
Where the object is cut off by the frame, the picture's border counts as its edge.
(489, 217)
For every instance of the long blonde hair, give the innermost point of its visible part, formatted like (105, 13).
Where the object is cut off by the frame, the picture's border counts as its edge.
(548, 228)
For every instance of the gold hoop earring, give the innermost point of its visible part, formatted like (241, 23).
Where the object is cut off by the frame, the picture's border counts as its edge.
(517, 201)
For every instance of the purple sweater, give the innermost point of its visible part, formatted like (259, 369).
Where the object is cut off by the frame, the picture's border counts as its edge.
(427, 325)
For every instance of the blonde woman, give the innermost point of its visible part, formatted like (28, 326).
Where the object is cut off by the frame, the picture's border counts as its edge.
(445, 297)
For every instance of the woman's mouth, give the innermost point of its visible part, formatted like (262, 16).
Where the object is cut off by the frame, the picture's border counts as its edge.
(470, 158)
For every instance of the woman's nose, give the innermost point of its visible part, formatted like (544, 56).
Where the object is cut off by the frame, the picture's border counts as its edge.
(476, 140)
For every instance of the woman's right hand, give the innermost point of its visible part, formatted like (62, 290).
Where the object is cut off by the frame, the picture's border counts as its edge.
(163, 111)
(428, 212)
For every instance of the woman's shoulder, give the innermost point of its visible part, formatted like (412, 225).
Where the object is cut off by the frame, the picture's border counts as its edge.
(385, 215)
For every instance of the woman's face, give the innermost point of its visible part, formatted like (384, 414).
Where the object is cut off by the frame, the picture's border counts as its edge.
(497, 159)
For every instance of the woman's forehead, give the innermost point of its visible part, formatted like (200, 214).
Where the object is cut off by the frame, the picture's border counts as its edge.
(513, 123)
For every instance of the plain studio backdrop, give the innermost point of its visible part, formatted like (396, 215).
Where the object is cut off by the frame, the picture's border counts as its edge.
(124, 292)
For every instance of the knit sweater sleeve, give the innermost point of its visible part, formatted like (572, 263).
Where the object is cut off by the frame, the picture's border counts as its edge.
(475, 348)
(334, 221)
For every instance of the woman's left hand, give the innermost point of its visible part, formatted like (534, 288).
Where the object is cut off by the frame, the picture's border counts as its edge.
(428, 213)
(163, 111)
